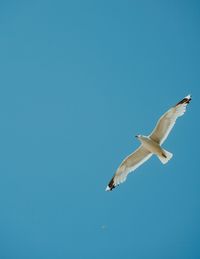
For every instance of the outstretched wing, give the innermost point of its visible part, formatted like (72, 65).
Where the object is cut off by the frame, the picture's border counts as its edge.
(167, 121)
(128, 165)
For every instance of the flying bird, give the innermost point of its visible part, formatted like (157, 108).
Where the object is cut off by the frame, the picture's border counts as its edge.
(150, 144)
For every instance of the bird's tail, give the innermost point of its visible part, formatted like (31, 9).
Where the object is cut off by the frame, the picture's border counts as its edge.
(166, 156)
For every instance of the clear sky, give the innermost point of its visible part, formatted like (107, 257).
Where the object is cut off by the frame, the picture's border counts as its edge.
(79, 79)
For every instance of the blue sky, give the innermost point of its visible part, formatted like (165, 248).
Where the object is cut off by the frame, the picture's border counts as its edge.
(79, 79)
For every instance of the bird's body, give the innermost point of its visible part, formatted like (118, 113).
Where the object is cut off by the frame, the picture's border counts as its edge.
(150, 144)
(154, 148)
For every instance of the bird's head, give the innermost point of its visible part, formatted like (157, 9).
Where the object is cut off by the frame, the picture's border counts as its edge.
(138, 136)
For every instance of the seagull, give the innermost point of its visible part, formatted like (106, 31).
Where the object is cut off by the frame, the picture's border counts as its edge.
(150, 144)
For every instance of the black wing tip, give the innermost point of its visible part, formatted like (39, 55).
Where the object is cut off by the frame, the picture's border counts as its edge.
(111, 185)
(186, 100)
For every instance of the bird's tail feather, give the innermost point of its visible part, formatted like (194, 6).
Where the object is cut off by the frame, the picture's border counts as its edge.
(166, 156)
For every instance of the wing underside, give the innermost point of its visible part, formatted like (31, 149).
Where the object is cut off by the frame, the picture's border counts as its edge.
(167, 121)
(128, 165)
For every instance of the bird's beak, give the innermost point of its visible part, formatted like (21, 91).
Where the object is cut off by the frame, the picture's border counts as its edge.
(136, 136)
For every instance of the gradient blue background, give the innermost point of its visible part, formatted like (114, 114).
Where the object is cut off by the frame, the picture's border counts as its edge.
(78, 80)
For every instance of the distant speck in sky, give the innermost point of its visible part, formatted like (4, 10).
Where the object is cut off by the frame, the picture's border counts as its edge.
(103, 227)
